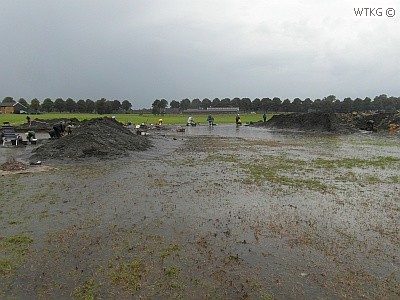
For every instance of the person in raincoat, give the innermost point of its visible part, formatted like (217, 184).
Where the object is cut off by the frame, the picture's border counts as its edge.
(190, 121)
(238, 120)
(210, 120)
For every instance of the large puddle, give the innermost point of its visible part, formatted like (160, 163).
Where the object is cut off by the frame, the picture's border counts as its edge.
(213, 213)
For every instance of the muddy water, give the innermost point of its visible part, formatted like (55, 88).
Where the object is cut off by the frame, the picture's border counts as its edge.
(214, 213)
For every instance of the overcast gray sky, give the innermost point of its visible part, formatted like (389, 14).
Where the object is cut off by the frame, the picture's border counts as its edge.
(142, 50)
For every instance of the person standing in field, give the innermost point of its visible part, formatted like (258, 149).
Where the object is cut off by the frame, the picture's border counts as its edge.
(210, 120)
(28, 120)
(238, 121)
(264, 116)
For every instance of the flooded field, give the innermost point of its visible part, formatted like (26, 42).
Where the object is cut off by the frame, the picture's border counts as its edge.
(213, 213)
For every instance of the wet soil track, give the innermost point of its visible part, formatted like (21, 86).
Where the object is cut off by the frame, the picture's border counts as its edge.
(215, 213)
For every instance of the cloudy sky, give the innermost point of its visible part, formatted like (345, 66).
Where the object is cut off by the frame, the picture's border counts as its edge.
(142, 50)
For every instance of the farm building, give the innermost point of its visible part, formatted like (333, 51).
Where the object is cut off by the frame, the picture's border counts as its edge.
(12, 108)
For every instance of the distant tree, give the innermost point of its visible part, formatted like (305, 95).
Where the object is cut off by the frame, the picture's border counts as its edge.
(126, 105)
(358, 105)
(216, 102)
(235, 102)
(47, 105)
(330, 98)
(101, 106)
(266, 104)
(347, 105)
(196, 103)
(35, 104)
(8, 100)
(156, 107)
(256, 104)
(380, 102)
(164, 103)
(174, 104)
(70, 105)
(80, 106)
(307, 104)
(23, 102)
(327, 103)
(276, 104)
(390, 105)
(286, 105)
(397, 103)
(185, 104)
(205, 103)
(297, 105)
(116, 105)
(226, 102)
(337, 106)
(90, 106)
(245, 104)
(317, 104)
(368, 103)
(59, 104)
(108, 107)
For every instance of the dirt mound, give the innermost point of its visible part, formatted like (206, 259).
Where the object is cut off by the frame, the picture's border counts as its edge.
(333, 122)
(13, 165)
(381, 121)
(306, 121)
(101, 138)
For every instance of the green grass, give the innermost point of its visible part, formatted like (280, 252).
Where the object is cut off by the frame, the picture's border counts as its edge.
(12, 252)
(172, 271)
(16, 119)
(129, 275)
(169, 250)
(85, 292)
(349, 163)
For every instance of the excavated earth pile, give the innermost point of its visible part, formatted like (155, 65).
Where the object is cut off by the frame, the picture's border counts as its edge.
(307, 121)
(102, 138)
(333, 122)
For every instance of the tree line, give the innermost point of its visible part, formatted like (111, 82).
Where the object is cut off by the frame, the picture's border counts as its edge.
(327, 104)
(102, 106)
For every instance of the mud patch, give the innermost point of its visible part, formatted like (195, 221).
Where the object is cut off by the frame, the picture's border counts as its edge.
(307, 216)
(29, 170)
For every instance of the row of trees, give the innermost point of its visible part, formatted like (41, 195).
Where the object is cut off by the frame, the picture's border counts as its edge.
(101, 106)
(329, 104)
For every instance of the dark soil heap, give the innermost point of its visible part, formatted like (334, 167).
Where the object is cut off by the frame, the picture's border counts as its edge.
(308, 121)
(102, 138)
(332, 122)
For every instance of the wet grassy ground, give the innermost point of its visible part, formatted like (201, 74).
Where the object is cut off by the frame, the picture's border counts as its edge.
(210, 215)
